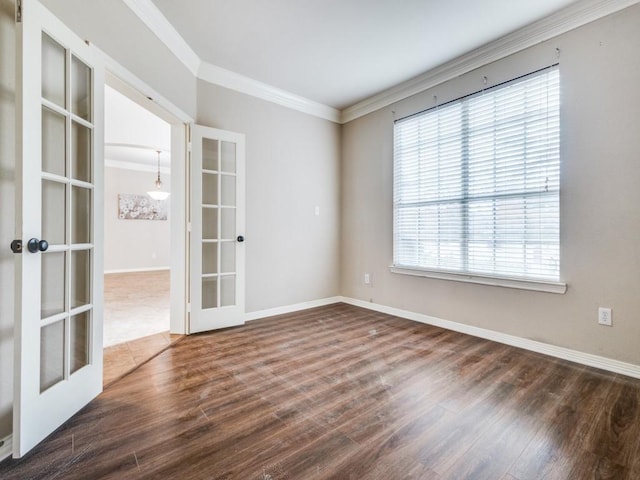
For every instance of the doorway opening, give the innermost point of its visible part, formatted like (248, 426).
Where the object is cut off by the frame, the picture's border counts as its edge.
(137, 234)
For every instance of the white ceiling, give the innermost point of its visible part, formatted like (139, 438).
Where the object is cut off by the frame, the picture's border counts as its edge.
(339, 52)
(133, 135)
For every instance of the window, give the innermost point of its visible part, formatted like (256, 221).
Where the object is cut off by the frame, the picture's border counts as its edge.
(477, 183)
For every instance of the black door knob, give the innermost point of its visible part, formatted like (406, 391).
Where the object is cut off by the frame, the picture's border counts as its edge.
(34, 245)
(240, 238)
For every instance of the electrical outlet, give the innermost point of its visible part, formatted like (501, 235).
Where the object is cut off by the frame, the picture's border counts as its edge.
(604, 316)
(367, 279)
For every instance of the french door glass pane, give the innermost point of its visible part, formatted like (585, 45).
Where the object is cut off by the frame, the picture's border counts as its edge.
(79, 336)
(51, 355)
(209, 154)
(53, 283)
(228, 257)
(80, 152)
(209, 189)
(209, 292)
(209, 223)
(209, 258)
(228, 223)
(53, 142)
(81, 215)
(228, 190)
(228, 154)
(54, 201)
(80, 89)
(53, 71)
(227, 290)
(80, 278)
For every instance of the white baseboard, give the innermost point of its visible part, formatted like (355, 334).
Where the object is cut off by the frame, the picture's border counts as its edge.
(588, 359)
(134, 270)
(6, 449)
(270, 312)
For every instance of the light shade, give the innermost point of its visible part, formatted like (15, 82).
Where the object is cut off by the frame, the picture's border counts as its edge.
(158, 194)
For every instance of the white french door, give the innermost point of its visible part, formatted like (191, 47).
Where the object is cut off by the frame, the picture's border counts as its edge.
(58, 246)
(217, 229)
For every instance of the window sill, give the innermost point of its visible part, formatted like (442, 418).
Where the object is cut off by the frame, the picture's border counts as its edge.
(508, 282)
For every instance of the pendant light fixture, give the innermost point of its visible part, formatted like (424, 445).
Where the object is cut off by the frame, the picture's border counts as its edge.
(158, 193)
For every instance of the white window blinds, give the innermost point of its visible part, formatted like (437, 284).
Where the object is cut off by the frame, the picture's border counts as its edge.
(477, 183)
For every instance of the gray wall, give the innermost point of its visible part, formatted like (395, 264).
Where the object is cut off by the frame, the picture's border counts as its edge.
(133, 244)
(7, 216)
(600, 194)
(292, 166)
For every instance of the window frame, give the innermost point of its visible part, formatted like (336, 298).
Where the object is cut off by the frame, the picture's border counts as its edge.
(464, 274)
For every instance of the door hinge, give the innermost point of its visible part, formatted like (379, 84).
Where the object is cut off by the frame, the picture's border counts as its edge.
(189, 147)
(188, 308)
(18, 11)
(188, 226)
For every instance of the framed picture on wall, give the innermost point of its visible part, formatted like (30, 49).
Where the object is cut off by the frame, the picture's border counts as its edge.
(132, 206)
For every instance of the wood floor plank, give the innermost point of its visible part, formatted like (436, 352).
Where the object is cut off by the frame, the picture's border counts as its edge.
(491, 456)
(450, 443)
(392, 452)
(600, 468)
(613, 436)
(345, 393)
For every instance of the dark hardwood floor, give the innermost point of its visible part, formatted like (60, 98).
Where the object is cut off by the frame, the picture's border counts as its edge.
(339, 392)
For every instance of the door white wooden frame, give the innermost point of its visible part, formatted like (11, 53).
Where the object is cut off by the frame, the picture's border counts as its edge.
(216, 229)
(122, 80)
(59, 371)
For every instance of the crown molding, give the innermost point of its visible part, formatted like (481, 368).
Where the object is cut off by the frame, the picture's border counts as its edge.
(138, 167)
(109, 161)
(153, 18)
(234, 81)
(137, 146)
(569, 18)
